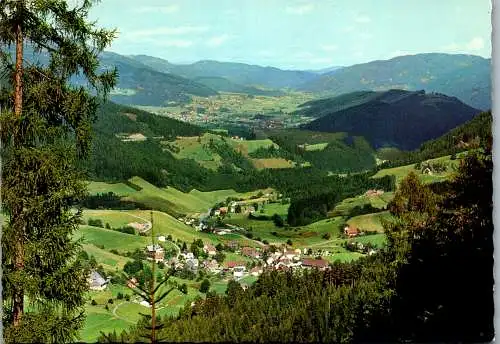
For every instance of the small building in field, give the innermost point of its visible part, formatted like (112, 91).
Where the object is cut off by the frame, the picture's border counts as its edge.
(132, 283)
(210, 250)
(351, 231)
(97, 282)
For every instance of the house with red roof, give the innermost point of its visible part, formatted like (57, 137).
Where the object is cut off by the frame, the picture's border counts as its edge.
(351, 231)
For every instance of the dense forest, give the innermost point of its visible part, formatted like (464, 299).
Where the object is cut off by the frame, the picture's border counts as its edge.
(439, 249)
(394, 118)
(472, 134)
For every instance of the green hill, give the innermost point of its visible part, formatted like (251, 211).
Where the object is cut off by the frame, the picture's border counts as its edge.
(393, 118)
(467, 77)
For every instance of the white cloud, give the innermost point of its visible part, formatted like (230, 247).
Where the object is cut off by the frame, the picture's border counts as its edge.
(157, 9)
(452, 47)
(477, 43)
(300, 9)
(217, 41)
(362, 19)
(166, 31)
(328, 47)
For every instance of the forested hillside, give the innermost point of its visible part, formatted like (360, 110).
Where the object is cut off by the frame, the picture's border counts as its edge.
(394, 118)
(471, 134)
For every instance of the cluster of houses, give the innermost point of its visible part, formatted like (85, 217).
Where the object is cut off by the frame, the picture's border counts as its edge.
(280, 260)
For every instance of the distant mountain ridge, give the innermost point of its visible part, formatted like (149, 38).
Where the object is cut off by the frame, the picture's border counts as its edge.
(239, 73)
(149, 86)
(395, 118)
(467, 77)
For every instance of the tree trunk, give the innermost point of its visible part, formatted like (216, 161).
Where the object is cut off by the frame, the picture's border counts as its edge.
(19, 244)
(153, 311)
(18, 95)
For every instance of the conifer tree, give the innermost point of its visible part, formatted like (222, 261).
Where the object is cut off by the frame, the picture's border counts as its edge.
(45, 132)
(148, 327)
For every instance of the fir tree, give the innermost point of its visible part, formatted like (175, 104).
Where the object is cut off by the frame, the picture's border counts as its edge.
(45, 131)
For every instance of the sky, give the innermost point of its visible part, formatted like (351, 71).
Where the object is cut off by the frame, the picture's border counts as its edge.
(296, 34)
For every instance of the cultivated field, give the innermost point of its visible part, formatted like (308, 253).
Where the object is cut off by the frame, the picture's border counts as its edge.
(272, 163)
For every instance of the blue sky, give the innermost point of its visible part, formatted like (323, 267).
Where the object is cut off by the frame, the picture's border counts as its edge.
(296, 34)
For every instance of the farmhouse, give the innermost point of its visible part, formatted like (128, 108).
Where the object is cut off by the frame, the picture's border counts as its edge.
(233, 245)
(373, 193)
(132, 283)
(192, 264)
(291, 254)
(209, 249)
(250, 252)
(320, 264)
(232, 264)
(211, 265)
(351, 231)
(256, 271)
(222, 231)
(155, 252)
(97, 282)
(141, 227)
(239, 271)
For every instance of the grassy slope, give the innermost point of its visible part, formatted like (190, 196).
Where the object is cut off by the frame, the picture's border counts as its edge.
(119, 189)
(170, 199)
(402, 171)
(112, 239)
(370, 222)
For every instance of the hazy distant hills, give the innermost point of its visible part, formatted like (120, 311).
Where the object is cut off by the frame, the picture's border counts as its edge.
(142, 85)
(396, 118)
(147, 80)
(467, 77)
(238, 73)
(225, 85)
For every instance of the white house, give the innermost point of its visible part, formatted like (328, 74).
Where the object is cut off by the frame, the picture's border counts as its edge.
(161, 238)
(239, 271)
